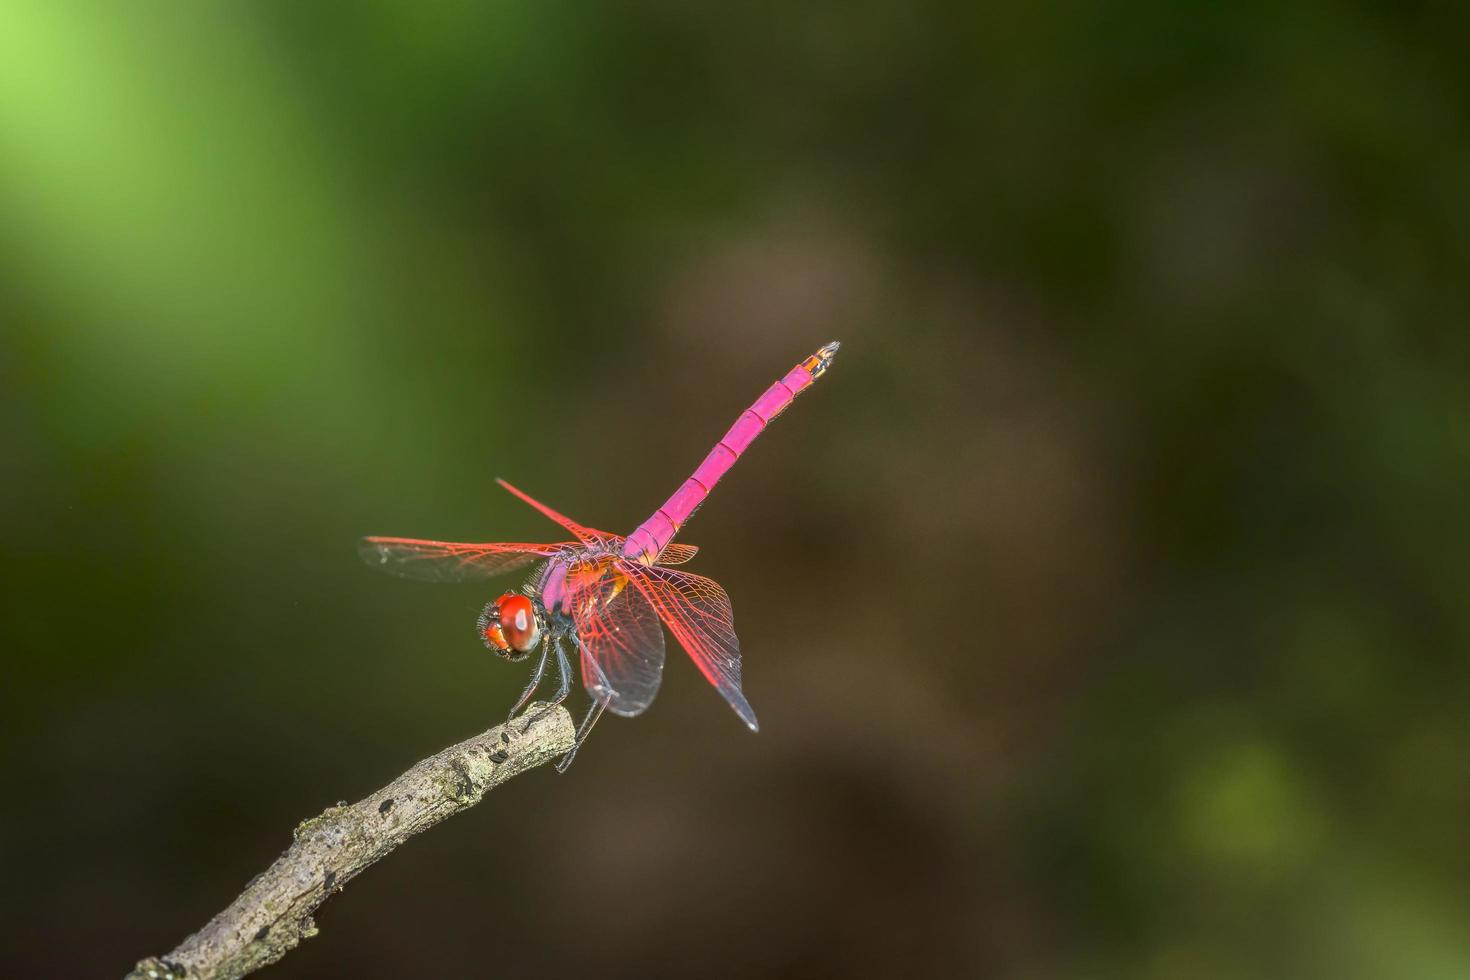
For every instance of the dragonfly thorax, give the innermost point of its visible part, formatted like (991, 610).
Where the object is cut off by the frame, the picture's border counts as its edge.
(561, 575)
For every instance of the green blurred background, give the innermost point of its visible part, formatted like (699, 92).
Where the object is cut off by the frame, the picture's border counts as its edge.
(1103, 607)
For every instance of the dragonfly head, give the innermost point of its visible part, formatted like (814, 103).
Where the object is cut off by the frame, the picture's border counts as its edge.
(510, 626)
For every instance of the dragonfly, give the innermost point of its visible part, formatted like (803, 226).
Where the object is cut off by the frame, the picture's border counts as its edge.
(606, 598)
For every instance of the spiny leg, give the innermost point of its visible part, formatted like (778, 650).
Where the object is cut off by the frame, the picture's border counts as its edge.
(565, 666)
(564, 686)
(594, 713)
(598, 706)
(536, 676)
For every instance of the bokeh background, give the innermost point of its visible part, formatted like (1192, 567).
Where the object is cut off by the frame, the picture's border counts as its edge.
(1104, 607)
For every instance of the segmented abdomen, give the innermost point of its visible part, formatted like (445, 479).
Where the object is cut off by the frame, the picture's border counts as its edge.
(650, 538)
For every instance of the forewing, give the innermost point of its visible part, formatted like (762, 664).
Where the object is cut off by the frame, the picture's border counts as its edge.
(622, 642)
(449, 561)
(676, 554)
(697, 611)
(583, 532)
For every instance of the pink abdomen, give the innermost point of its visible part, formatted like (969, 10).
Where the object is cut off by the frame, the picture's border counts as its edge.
(654, 534)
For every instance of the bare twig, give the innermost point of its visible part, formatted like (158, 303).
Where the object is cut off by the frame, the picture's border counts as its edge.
(273, 914)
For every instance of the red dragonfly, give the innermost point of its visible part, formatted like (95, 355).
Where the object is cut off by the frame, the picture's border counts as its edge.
(603, 595)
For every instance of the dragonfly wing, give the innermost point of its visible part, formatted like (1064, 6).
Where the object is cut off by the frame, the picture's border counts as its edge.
(697, 611)
(676, 554)
(583, 533)
(448, 561)
(621, 640)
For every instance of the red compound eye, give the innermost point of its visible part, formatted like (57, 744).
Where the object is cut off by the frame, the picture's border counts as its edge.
(490, 630)
(518, 622)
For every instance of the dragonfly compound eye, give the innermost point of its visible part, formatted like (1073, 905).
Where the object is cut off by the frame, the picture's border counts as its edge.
(490, 631)
(518, 622)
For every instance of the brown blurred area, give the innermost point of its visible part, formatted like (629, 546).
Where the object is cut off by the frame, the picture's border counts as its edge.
(1102, 607)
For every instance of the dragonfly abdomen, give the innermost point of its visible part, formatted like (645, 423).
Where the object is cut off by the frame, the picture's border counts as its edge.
(654, 534)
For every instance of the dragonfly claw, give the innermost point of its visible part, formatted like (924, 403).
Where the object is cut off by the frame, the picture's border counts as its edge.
(564, 688)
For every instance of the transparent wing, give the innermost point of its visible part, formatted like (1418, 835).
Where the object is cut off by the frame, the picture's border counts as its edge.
(697, 611)
(676, 554)
(622, 642)
(449, 561)
(583, 533)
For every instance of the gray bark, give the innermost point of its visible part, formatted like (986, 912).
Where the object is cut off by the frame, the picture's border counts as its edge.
(274, 913)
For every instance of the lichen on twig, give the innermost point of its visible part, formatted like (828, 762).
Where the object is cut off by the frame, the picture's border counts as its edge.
(274, 913)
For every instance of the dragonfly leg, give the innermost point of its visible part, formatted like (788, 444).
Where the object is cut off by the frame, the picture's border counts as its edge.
(565, 666)
(564, 686)
(536, 676)
(594, 713)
